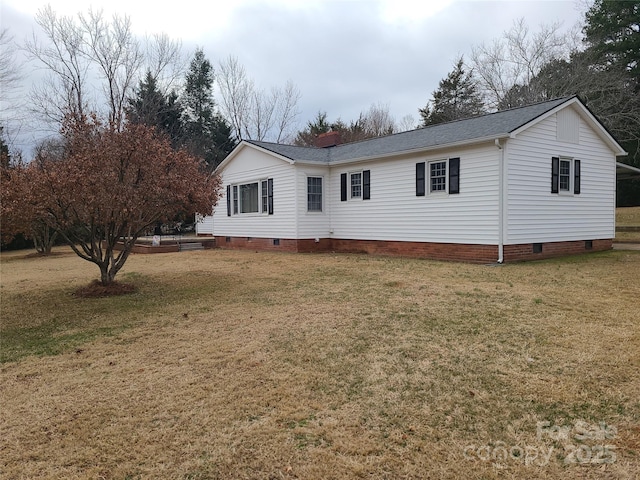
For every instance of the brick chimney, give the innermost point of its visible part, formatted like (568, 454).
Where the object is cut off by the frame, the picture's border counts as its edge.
(329, 139)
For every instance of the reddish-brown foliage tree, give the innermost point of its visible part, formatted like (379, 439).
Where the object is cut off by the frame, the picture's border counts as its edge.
(111, 185)
(12, 214)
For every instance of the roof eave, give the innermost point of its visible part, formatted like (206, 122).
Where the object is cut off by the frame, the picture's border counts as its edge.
(421, 150)
(244, 144)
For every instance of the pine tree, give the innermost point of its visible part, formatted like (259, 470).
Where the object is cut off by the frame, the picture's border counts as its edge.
(456, 97)
(151, 107)
(613, 30)
(207, 134)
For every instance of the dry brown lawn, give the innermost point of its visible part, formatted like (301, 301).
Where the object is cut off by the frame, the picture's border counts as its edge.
(628, 216)
(259, 365)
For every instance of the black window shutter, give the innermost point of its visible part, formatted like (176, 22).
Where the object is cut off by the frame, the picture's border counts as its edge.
(576, 176)
(270, 195)
(343, 187)
(555, 171)
(454, 175)
(366, 184)
(228, 200)
(420, 174)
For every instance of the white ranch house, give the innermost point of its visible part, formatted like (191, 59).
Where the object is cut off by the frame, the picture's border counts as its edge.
(525, 183)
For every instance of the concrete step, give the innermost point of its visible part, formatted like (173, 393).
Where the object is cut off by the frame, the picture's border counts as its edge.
(187, 247)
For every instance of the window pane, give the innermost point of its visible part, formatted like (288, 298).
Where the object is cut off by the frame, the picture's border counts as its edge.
(249, 198)
(356, 185)
(438, 176)
(265, 197)
(235, 199)
(314, 194)
(565, 174)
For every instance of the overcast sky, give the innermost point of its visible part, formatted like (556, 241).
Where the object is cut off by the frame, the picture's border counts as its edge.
(342, 55)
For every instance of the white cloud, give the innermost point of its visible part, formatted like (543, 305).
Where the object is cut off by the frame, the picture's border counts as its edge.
(411, 12)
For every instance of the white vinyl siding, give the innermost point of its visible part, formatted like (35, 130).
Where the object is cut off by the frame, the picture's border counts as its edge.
(396, 213)
(313, 224)
(536, 215)
(253, 166)
(568, 126)
(204, 224)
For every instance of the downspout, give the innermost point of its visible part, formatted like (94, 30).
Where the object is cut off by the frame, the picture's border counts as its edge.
(501, 181)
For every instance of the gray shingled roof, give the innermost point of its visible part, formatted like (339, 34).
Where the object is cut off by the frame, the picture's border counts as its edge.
(486, 126)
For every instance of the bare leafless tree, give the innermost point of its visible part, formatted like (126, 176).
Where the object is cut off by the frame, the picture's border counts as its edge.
(286, 112)
(165, 60)
(516, 58)
(377, 121)
(9, 69)
(235, 93)
(63, 56)
(254, 113)
(260, 117)
(94, 62)
(408, 122)
(116, 53)
(10, 77)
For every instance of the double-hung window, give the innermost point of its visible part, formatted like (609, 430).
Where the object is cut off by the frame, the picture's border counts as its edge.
(439, 176)
(314, 194)
(250, 198)
(355, 185)
(565, 175)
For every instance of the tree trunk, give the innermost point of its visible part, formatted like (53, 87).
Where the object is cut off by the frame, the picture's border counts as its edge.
(44, 238)
(107, 275)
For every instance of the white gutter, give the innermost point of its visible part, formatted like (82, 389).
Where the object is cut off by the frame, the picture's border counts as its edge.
(501, 183)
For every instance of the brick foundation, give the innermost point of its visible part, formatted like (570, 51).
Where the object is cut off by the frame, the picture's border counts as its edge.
(255, 243)
(440, 251)
(524, 251)
(437, 251)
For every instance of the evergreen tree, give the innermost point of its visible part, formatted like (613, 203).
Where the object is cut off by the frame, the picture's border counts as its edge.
(207, 134)
(456, 97)
(613, 30)
(612, 33)
(151, 107)
(376, 122)
(318, 126)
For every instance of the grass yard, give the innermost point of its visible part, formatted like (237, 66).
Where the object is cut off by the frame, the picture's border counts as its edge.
(625, 217)
(265, 365)
(628, 216)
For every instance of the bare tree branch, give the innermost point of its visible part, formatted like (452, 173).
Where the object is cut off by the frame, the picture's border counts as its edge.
(255, 113)
(516, 58)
